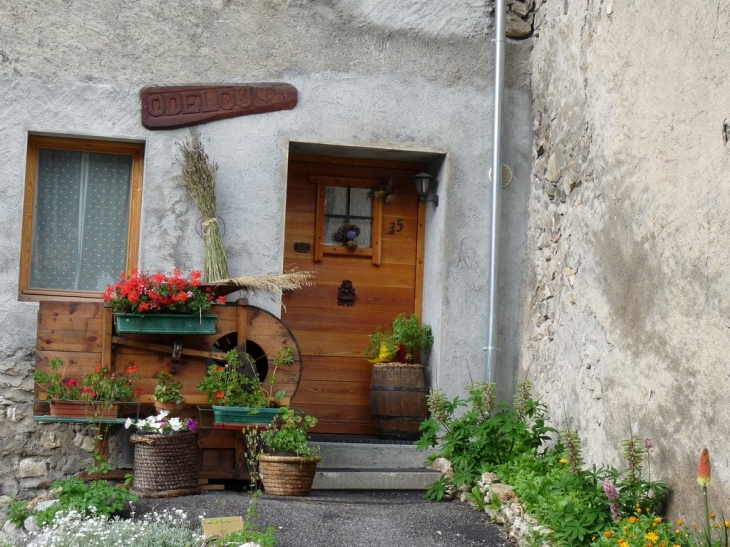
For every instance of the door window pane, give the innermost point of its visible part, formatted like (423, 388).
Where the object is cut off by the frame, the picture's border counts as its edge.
(348, 205)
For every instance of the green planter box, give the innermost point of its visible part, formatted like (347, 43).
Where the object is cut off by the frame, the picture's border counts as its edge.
(243, 415)
(132, 323)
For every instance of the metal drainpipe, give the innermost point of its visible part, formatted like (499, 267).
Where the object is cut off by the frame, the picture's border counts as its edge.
(499, 37)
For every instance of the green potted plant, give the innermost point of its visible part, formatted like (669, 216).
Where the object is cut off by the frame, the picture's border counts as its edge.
(92, 395)
(237, 393)
(167, 393)
(161, 304)
(398, 385)
(288, 464)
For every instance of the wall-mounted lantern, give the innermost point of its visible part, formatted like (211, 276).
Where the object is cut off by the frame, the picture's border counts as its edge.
(423, 186)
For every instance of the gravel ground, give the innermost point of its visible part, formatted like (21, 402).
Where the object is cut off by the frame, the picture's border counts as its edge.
(348, 519)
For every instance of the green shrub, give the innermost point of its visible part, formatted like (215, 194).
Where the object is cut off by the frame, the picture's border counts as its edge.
(85, 497)
(17, 511)
(483, 437)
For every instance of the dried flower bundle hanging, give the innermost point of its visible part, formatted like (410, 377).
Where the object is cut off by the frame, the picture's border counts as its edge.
(273, 284)
(198, 177)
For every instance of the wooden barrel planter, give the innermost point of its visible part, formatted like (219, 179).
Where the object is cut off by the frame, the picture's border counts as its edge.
(398, 400)
(165, 466)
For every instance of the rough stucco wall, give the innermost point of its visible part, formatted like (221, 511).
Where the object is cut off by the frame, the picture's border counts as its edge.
(627, 326)
(403, 75)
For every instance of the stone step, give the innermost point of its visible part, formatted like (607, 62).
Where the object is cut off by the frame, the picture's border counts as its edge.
(369, 464)
(373, 479)
(365, 455)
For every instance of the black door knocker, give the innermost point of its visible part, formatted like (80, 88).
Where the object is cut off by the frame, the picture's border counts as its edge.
(346, 294)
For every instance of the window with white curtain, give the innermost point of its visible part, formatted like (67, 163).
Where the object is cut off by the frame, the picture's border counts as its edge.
(81, 203)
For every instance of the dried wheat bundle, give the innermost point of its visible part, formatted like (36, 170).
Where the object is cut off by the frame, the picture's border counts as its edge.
(198, 177)
(270, 283)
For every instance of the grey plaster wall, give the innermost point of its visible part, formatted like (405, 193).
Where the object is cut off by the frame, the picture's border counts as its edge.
(409, 76)
(627, 322)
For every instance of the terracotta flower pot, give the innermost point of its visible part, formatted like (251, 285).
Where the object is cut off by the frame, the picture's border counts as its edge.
(171, 407)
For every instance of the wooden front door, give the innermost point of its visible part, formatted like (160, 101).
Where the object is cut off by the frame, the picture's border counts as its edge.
(330, 200)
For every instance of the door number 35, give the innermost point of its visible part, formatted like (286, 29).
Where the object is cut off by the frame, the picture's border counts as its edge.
(395, 227)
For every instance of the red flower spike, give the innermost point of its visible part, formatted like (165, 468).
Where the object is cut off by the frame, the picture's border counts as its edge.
(704, 472)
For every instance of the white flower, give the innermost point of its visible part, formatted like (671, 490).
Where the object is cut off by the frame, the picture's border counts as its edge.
(128, 423)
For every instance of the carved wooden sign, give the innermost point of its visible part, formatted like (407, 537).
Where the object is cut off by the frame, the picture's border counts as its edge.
(181, 106)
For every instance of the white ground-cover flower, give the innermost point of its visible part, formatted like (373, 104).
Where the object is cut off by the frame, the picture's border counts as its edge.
(169, 529)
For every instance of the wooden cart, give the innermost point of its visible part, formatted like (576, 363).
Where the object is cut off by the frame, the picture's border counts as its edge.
(83, 335)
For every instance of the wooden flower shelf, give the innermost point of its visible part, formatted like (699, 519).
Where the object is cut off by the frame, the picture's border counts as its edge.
(82, 335)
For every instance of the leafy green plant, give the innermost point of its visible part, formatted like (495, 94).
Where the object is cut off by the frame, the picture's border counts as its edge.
(100, 385)
(285, 356)
(405, 338)
(288, 432)
(97, 497)
(17, 511)
(168, 390)
(476, 497)
(484, 436)
(251, 531)
(226, 385)
(254, 445)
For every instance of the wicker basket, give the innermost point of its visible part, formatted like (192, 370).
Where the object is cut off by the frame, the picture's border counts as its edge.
(165, 466)
(287, 475)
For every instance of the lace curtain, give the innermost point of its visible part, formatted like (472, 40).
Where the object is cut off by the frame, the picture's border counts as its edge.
(81, 220)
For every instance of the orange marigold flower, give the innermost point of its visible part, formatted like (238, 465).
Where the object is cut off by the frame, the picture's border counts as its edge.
(608, 533)
(704, 472)
(727, 524)
(651, 536)
(658, 520)
(680, 522)
(638, 509)
(694, 527)
(219, 395)
(633, 519)
(712, 515)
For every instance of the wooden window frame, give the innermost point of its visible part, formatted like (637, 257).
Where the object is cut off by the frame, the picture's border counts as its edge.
(320, 249)
(35, 143)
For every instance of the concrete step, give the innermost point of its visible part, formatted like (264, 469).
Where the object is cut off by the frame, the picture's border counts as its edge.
(367, 455)
(373, 479)
(369, 464)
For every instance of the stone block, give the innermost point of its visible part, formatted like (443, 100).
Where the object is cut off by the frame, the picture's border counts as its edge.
(32, 468)
(516, 28)
(520, 8)
(553, 171)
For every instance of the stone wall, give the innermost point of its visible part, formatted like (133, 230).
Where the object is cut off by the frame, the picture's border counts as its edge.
(626, 325)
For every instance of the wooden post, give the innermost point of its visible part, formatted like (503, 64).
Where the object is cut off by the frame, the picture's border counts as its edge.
(106, 345)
